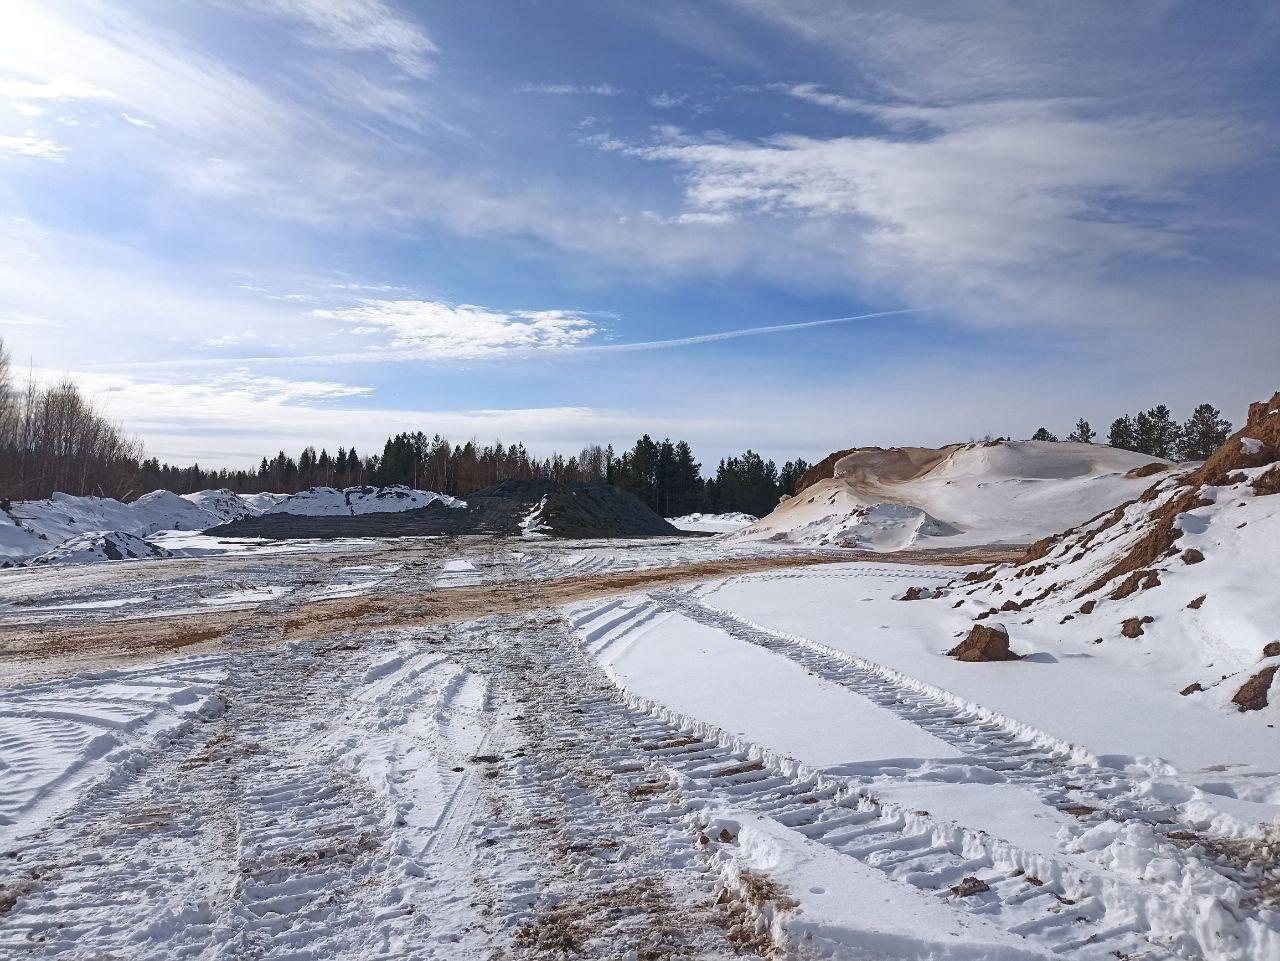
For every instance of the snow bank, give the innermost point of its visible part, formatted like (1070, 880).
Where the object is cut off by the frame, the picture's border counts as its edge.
(1005, 492)
(713, 523)
(330, 501)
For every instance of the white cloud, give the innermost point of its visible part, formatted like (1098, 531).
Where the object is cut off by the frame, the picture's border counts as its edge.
(598, 89)
(28, 145)
(665, 100)
(434, 330)
(57, 88)
(368, 25)
(278, 390)
(991, 190)
(137, 121)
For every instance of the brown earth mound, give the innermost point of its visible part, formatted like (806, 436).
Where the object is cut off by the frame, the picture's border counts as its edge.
(825, 469)
(1146, 470)
(1262, 425)
(1132, 626)
(984, 644)
(1252, 695)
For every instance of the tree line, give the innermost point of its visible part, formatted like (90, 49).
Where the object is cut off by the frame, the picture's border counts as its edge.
(52, 439)
(1157, 433)
(665, 476)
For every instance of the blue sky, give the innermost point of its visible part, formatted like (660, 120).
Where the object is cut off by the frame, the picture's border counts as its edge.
(251, 225)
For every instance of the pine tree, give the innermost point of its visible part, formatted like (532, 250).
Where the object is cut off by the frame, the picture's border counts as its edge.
(1083, 434)
(1205, 431)
(1123, 434)
(1164, 432)
(1043, 434)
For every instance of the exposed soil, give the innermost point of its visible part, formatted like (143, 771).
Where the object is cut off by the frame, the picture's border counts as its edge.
(1252, 695)
(57, 650)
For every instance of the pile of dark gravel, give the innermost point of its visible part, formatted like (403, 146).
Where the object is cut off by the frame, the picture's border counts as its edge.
(568, 510)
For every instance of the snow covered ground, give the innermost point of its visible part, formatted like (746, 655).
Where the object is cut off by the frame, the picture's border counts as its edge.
(480, 748)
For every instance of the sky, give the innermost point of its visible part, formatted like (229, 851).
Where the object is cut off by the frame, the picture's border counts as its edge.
(252, 225)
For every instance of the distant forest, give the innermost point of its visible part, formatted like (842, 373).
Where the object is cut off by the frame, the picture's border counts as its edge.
(664, 474)
(53, 439)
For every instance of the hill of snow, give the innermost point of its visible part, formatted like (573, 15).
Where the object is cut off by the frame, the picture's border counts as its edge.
(226, 506)
(31, 528)
(1001, 492)
(713, 523)
(330, 501)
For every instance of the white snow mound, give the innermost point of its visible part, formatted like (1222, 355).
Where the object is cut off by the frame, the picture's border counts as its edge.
(225, 505)
(1004, 492)
(713, 523)
(31, 528)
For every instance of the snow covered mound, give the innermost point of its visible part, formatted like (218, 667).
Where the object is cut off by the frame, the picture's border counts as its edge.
(96, 546)
(31, 528)
(999, 492)
(226, 506)
(330, 502)
(1185, 573)
(713, 523)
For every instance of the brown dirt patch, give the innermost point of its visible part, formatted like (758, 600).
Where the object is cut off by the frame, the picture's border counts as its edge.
(40, 650)
(1132, 626)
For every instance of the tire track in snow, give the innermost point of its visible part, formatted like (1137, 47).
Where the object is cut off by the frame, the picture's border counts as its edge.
(1060, 773)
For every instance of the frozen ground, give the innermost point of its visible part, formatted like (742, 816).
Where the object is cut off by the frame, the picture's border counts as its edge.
(465, 748)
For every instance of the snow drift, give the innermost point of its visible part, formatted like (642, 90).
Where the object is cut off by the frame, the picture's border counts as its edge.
(1000, 492)
(713, 523)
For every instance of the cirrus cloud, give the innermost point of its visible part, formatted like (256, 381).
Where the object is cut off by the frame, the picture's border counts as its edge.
(436, 330)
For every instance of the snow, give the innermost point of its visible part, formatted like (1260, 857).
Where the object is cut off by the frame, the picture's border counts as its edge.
(1124, 707)
(1008, 492)
(884, 920)
(33, 527)
(766, 699)
(57, 736)
(329, 501)
(713, 523)
(225, 505)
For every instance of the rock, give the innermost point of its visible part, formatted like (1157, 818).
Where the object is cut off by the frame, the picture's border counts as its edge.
(970, 885)
(1010, 606)
(1252, 695)
(1192, 556)
(1087, 607)
(1132, 626)
(984, 644)
(1196, 604)
(1272, 649)
(1192, 689)
(916, 594)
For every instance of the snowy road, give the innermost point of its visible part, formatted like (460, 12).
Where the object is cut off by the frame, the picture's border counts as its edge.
(644, 773)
